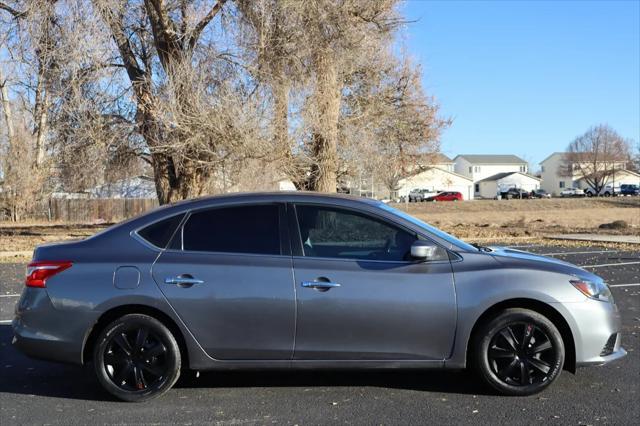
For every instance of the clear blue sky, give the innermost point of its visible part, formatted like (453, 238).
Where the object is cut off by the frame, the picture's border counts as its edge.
(526, 78)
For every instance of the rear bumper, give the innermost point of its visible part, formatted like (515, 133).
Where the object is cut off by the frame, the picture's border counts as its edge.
(41, 331)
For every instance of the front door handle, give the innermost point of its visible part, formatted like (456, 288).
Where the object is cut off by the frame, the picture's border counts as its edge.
(320, 285)
(183, 280)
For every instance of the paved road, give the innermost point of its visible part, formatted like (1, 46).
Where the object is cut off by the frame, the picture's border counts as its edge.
(40, 392)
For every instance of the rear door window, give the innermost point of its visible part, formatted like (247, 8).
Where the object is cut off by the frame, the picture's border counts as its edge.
(160, 233)
(252, 229)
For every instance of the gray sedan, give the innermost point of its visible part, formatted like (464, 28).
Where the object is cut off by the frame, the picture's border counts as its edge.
(304, 280)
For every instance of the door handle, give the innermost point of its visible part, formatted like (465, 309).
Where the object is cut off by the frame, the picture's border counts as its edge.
(320, 285)
(183, 280)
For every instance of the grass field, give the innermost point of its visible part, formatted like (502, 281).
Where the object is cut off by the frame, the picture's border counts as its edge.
(497, 220)
(485, 221)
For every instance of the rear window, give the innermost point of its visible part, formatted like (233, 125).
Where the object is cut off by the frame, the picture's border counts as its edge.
(243, 229)
(160, 233)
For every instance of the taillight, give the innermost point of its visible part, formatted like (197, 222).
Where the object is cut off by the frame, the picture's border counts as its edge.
(38, 272)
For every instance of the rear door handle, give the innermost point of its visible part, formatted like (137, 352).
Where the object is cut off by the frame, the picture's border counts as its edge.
(320, 285)
(183, 280)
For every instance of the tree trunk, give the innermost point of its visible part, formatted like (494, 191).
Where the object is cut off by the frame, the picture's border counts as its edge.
(41, 130)
(175, 183)
(325, 136)
(281, 118)
(6, 108)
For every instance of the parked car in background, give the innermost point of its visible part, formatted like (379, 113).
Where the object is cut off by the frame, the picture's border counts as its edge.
(446, 196)
(514, 193)
(298, 280)
(605, 191)
(540, 193)
(628, 189)
(418, 195)
(572, 192)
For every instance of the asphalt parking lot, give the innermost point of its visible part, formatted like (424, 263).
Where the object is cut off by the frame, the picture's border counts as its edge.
(39, 392)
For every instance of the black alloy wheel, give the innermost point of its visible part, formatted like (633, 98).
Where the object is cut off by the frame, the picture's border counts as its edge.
(519, 352)
(137, 358)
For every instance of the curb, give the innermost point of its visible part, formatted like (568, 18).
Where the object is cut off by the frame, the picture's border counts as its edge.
(624, 239)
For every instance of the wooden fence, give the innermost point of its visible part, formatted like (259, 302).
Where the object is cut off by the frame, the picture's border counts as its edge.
(97, 209)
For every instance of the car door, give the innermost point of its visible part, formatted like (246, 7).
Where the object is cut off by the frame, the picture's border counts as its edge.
(359, 294)
(228, 275)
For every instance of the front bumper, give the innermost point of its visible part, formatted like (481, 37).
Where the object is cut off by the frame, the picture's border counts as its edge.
(617, 352)
(594, 324)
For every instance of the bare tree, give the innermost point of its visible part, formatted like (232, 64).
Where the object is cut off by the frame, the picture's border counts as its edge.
(271, 39)
(158, 41)
(391, 127)
(206, 95)
(337, 34)
(596, 155)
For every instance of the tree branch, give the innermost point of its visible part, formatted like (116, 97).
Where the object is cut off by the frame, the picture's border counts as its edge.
(197, 31)
(16, 13)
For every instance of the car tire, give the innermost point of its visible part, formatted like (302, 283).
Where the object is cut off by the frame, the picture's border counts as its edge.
(136, 358)
(519, 352)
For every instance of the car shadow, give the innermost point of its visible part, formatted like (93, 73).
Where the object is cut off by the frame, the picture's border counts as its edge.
(22, 375)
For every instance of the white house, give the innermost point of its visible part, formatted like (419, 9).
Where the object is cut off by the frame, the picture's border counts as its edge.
(489, 187)
(479, 167)
(134, 187)
(439, 177)
(555, 177)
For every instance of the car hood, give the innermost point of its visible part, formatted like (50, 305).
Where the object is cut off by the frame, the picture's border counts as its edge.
(523, 259)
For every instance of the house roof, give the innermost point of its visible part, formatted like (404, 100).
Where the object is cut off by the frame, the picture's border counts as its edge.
(549, 156)
(491, 159)
(439, 170)
(439, 158)
(504, 175)
(587, 156)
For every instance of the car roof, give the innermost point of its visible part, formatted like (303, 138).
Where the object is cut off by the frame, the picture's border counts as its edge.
(179, 207)
(261, 197)
(291, 196)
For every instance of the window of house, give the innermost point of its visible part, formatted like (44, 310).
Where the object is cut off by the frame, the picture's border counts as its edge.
(338, 233)
(242, 229)
(561, 183)
(477, 187)
(476, 169)
(523, 169)
(542, 169)
(470, 169)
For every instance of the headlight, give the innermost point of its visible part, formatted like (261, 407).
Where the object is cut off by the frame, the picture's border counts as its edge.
(594, 290)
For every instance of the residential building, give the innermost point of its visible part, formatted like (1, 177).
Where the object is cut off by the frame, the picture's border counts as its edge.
(438, 177)
(501, 182)
(479, 167)
(555, 174)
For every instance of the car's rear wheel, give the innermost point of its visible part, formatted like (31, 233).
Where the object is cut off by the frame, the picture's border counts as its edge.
(519, 352)
(136, 358)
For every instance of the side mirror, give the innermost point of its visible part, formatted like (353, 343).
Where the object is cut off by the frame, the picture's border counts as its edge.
(423, 250)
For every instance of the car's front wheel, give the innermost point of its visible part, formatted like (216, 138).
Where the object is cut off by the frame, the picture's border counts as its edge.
(136, 358)
(519, 352)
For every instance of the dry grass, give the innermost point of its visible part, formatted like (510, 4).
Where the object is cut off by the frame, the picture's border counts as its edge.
(487, 221)
(500, 221)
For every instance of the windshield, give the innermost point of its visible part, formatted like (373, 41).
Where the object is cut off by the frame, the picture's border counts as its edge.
(431, 229)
